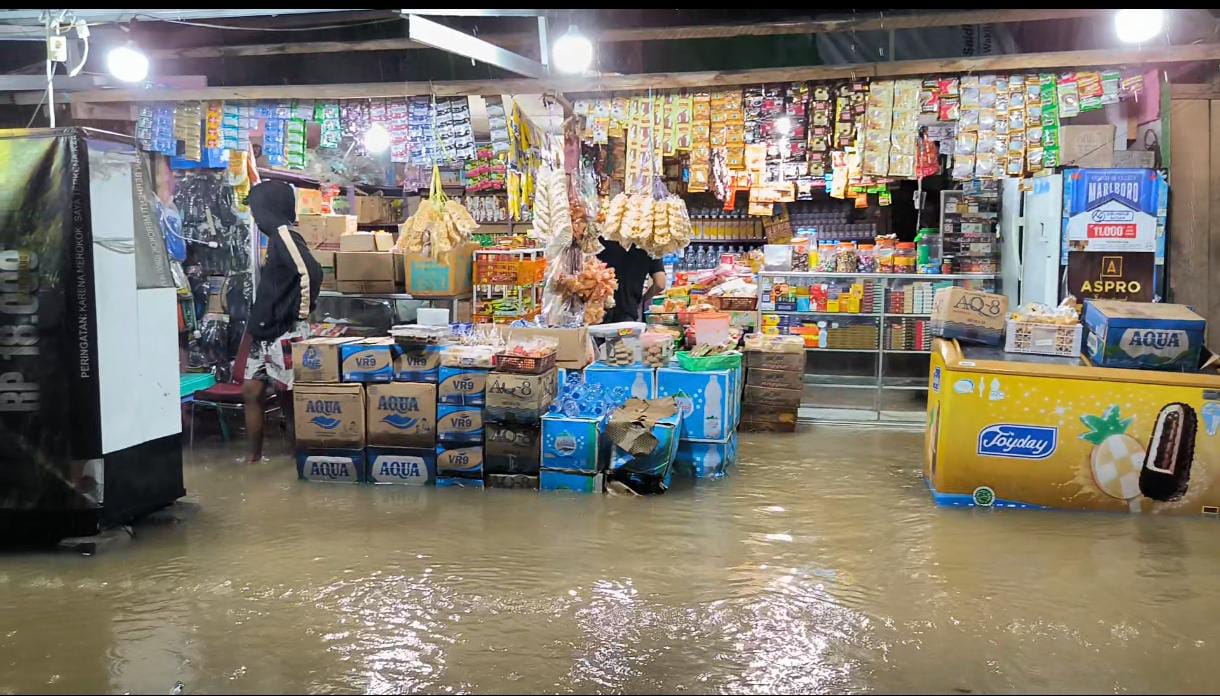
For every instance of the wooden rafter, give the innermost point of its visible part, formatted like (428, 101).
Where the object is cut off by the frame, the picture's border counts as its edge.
(864, 22)
(688, 80)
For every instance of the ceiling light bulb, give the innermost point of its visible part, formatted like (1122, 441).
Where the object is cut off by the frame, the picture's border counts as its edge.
(783, 124)
(376, 139)
(127, 64)
(1138, 26)
(573, 52)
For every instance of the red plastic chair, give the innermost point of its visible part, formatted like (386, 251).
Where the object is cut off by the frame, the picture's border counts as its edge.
(224, 396)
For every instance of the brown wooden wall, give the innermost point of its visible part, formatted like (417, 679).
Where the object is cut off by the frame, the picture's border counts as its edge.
(1193, 254)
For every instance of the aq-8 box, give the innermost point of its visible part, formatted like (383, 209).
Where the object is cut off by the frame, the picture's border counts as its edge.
(517, 398)
(410, 466)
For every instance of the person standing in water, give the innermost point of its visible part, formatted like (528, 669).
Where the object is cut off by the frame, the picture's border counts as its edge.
(287, 292)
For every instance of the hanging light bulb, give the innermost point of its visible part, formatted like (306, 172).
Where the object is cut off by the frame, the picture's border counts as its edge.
(783, 125)
(376, 139)
(127, 63)
(1138, 26)
(573, 52)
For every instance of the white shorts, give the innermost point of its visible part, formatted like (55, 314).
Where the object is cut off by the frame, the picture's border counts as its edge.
(271, 361)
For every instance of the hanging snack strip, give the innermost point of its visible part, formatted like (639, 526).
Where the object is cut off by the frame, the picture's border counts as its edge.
(327, 114)
(1050, 121)
(700, 147)
(878, 124)
(439, 225)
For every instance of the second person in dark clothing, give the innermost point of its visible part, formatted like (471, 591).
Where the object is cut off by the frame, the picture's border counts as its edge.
(632, 268)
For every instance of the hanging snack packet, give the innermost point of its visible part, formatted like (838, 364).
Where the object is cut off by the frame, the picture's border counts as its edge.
(1109, 87)
(1069, 96)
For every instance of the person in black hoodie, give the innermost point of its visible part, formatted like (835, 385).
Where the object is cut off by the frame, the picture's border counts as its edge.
(287, 292)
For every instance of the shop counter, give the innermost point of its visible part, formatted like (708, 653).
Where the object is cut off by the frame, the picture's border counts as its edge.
(1012, 430)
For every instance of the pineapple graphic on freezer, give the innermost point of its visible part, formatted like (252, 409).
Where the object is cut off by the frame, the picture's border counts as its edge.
(1117, 457)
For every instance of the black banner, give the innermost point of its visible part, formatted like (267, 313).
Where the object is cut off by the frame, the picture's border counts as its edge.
(1105, 275)
(49, 421)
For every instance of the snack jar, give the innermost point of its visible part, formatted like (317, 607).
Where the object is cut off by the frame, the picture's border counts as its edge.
(866, 259)
(884, 254)
(826, 257)
(845, 258)
(904, 257)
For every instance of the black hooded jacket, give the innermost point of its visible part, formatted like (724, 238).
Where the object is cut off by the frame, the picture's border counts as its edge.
(289, 281)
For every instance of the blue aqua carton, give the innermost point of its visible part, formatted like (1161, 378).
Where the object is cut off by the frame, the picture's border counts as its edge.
(458, 482)
(461, 386)
(656, 464)
(1143, 335)
(410, 466)
(549, 480)
(461, 461)
(459, 425)
(705, 460)
(707, 399)
(368, 360)
(640, 381)
(331, 465)
(417, 364)
(574, 444)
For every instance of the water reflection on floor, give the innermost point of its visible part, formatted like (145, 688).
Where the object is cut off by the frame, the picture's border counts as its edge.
(820, 565)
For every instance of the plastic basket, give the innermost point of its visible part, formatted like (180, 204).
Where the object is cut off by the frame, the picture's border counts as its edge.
(1062, 340)
(524, 364)
(708, 363)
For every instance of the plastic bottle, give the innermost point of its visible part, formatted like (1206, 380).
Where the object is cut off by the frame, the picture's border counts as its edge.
(712, 426)
(639, 390)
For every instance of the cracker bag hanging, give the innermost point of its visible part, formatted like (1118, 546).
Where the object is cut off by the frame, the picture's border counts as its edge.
(440, 224)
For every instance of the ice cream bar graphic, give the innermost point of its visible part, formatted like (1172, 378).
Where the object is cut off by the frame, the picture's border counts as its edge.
(1170, 453)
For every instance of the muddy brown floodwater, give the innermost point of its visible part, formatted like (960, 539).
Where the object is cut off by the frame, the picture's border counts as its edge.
(819, 565)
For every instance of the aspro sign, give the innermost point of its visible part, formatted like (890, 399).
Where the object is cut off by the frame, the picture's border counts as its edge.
(1111, 209)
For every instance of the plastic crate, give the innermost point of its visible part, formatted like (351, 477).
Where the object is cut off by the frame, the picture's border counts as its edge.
(525, 365)
(1062, 340)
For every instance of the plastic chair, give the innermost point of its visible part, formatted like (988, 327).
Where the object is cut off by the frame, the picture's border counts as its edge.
(224, 396)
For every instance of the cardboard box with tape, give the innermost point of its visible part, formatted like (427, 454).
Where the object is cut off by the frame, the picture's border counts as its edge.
(328, 416)
(317, 360)
(324, 231)
(373, 272)
(969, 315)
(444, 277)
(402, 414)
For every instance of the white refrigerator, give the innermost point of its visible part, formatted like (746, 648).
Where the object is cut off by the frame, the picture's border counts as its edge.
(1031, 224)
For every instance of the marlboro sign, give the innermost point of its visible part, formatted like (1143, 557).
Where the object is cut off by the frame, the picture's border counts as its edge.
(1112, 210)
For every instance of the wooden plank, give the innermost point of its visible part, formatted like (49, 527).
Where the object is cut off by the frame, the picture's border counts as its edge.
(863, 22)
(1212, 277)
(639, 82)
(1189, 204)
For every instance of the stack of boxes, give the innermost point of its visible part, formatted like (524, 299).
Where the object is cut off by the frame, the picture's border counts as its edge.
(322, 234)
(460, 452)
(711, 411)
(774, 384)
(515, 404)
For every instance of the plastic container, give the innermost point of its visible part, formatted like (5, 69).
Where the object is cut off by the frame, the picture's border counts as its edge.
(885, 256)
(866, 258)
(904, 257)
(845, 258)
(711, 328)
(658, 348)
(826, 257)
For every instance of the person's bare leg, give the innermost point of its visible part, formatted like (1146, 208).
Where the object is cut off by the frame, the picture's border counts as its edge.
(252, 391)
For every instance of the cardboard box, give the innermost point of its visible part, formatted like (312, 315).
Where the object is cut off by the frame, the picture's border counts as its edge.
(367, 360)
(328, 279)
(461, 386)
(402, 414)
(328, 416)
(366, 241)
(705, 460)
(772, 396)
(1086, 146)
(564, 481)
(784, 379)
(373, 210)
(418, 364)
(460, 462)
(575, 349)
(515, 398)
(459, 425)
(1143, 335)
(574, 444)
(708, 401)
(309, 202)
(638, 381)
(325, 259)
(656, 464)
(763, 418)
(510, 448)
(969, 315)
(522, 481)
(463, 312)
(331, 465)
(790, 362)
(408, 466)
(1134, 159)
(458, 482)
(317, 359)
(383, 268)
(324, 231)
(447, 276)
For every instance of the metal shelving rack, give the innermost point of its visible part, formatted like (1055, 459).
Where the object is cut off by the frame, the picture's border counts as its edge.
(485, 292)
(878, 380)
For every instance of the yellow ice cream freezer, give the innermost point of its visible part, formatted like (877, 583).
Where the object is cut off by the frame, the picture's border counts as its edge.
(1028, 431)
